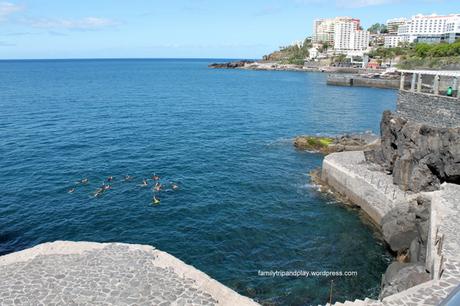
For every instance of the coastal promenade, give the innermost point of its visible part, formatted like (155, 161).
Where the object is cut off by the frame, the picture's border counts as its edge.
(374, 192)
(88, 273)
(398, 185)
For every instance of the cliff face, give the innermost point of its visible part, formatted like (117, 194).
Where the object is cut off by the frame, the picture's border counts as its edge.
(419, 157)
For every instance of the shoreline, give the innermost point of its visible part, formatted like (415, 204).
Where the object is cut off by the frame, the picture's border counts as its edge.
(337, 76)
(414, 211)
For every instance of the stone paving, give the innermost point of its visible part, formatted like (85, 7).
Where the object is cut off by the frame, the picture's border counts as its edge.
(81, 273)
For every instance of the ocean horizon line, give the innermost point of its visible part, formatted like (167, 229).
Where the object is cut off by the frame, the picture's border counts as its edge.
(124, 58)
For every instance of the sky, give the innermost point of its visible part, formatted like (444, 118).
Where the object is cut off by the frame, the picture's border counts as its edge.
(49, 29)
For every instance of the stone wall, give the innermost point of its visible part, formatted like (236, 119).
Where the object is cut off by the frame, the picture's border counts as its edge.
(355, 80)
(437, 111)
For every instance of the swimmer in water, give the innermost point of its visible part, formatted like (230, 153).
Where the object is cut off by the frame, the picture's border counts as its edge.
(71, 190)
(158, 187)
(155, 200)
(110, 178)
(174, 186)
(155, 177)
(144, 183)
(83, 181)
(98, 192)
(106, 187)
(128, 178)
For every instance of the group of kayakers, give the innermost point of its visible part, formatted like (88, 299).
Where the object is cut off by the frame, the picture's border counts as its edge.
(106, 185)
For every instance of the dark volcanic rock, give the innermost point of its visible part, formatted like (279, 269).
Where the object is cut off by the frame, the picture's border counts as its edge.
(420, 157)
(407, 227)
(230, 65)
(402, 276)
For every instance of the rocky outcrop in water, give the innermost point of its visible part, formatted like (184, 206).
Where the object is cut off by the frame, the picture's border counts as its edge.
(419, 157)
(342, 143)
(230, 65)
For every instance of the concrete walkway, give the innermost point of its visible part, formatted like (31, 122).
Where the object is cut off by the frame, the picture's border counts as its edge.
(375, 193)
(86, 273)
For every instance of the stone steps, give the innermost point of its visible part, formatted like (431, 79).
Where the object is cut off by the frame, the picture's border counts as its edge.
(366, 302)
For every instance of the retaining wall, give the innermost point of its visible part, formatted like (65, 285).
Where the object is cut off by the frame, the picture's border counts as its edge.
(438, 111)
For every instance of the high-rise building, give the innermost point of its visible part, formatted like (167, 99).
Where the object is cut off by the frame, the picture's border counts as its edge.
(349, 37)
(394, 24)
(324, 29)
(431, 28)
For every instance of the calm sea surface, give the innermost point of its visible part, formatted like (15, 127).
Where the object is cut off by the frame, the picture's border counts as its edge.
(245, 201)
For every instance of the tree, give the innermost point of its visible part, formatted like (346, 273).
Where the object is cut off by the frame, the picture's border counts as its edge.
(378, 28)
(422, 50)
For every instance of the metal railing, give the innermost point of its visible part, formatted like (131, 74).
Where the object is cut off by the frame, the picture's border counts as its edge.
(436, 82)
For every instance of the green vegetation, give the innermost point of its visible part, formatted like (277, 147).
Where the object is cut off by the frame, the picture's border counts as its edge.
(437, 50)
(378, 28)
(291, 54)
(421, 55)
(313, 143)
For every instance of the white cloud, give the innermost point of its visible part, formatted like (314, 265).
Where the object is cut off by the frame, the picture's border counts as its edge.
(362, 3)
(87, 23)
(7, 8)
(348, 3)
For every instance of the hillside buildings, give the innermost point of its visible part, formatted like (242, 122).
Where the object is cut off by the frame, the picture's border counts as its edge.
(431, 29)
(394, 24)
(423, 28)
(343, 33)
(393, 40)
(324, 29)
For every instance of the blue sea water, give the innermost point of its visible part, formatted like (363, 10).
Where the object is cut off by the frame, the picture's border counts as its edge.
(245, 201)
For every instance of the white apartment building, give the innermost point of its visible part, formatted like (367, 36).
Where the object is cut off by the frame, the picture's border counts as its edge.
(392, 41)
(431, 28)
(394, 24)
(348, 37)
(324, 29)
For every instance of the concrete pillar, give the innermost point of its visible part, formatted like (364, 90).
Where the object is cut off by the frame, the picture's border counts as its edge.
(419, 83)
(403, 80)
(412, 83)
(436, 85)
(456, 86)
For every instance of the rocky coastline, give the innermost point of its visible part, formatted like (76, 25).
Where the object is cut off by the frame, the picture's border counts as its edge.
(342, 143)
(337, 76)
(398, 181)
(278, 66)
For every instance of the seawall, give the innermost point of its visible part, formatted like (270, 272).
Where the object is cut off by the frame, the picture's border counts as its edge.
(356, 80)
(373, 191)
(370, 189)
(434, 110)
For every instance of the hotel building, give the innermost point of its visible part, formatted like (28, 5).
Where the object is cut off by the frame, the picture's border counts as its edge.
(324, 29)
(431, 29)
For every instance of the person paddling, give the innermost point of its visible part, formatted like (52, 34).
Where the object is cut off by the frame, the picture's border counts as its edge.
(144, 183)
(158, 187)
(83, 181)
